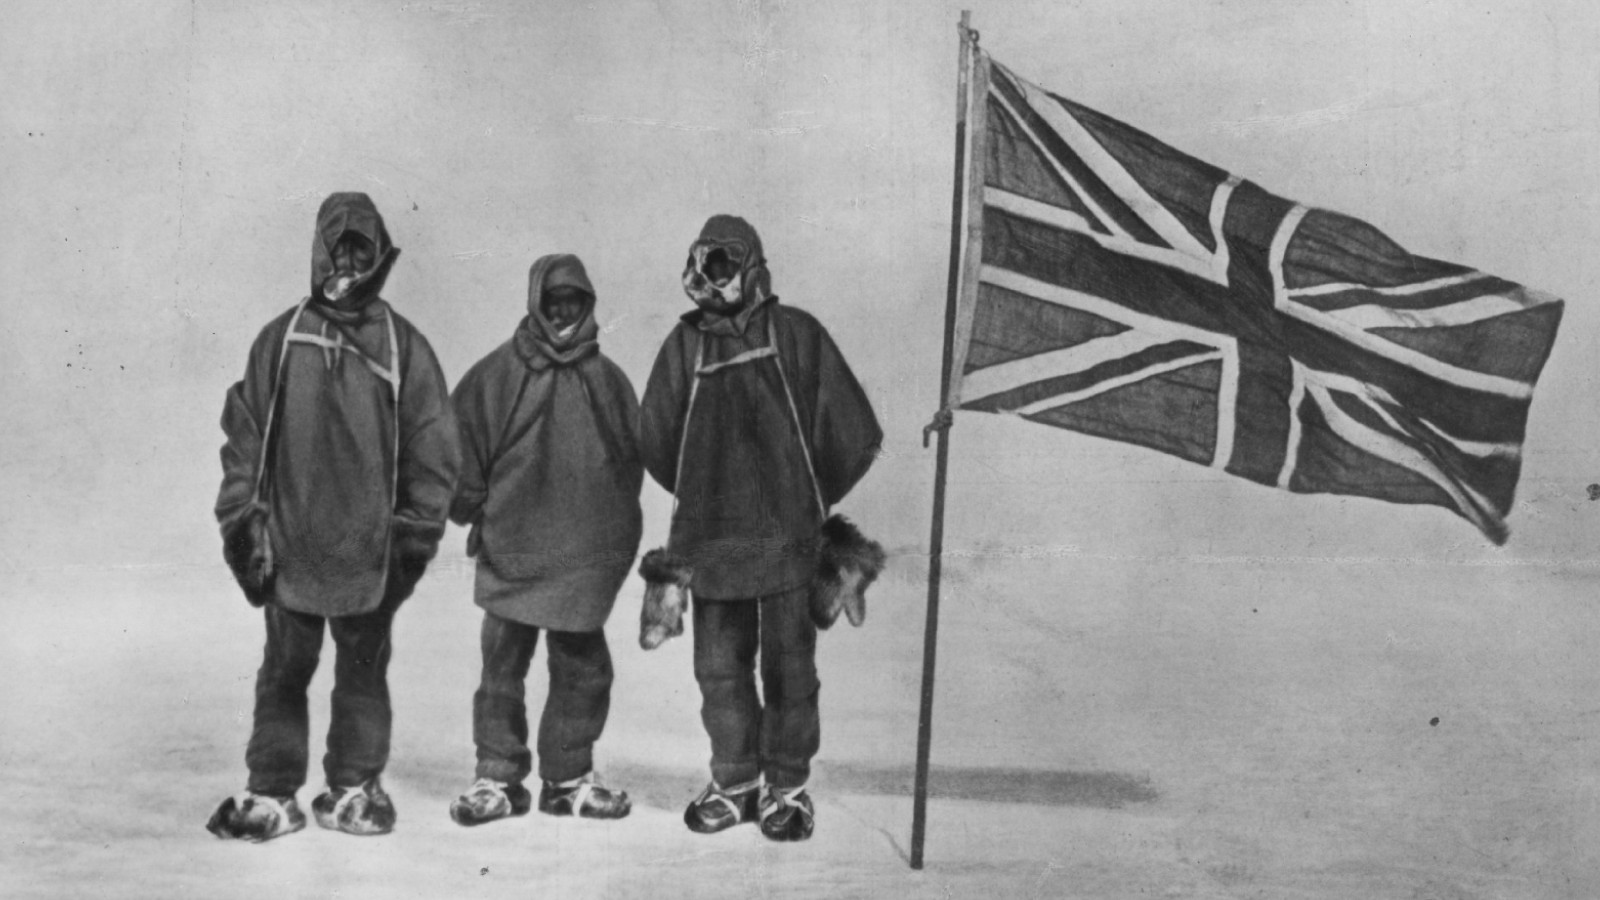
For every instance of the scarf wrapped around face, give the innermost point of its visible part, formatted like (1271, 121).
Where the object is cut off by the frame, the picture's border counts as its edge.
(544, 348)
(539, 342)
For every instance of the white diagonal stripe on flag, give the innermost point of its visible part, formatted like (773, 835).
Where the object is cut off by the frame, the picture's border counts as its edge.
(1108, 170)
(1006, 376)
(1443, 371)
(1055, 293)
(1379, 401)
(1029, 208)
(1111, 384)
(1465, 312)
(1469, 502)
(1055, 164)
(1467, 378)
(1485, 449)
(1151, 330)
(1067, 220)
(1398, 290)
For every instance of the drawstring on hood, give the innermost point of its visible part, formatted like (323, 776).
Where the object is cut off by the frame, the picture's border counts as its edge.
(539, 342)
(344, 213)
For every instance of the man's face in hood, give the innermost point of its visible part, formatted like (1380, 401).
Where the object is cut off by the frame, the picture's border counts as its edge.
(563, 306)
(351, 252)
(353, 256)
(560, 301)
(721, 266)
(726, 270)
(714, 274)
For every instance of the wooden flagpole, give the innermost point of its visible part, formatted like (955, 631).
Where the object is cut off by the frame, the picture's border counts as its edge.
(941, 424)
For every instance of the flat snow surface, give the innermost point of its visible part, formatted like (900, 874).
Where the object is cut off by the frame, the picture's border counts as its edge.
(1105, 728)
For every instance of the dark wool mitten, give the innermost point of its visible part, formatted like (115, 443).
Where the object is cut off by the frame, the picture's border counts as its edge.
(847, 564)
(247, 548)
(413, 546)
(661, 616)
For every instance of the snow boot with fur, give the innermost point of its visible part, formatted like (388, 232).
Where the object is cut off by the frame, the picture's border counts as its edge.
(248, 816)
(488, 800)
(363, 810)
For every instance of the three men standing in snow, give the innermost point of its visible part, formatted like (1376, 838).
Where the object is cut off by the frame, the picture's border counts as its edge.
(345, 456)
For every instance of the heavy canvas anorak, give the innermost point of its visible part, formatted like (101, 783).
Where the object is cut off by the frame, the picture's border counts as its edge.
(552, 474)
(363, 442)
(733, 448)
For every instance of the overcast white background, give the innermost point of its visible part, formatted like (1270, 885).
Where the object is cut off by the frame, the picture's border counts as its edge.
(163, 161)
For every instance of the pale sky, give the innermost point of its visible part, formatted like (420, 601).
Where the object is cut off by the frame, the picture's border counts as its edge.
(163, 163)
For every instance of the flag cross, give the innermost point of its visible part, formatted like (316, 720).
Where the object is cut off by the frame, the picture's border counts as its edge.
(1126, 290)
(1104, 282)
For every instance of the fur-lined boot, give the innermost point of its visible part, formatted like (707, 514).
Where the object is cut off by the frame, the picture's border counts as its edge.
(661, 616)
(248, 816)
(488, 800)
(363, 810)
(847, 564)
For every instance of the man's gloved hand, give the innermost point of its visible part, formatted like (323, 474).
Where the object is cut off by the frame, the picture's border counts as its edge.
(412, 548)
(247, 548)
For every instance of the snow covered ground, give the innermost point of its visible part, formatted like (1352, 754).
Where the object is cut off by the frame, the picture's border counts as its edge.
(1105, 728)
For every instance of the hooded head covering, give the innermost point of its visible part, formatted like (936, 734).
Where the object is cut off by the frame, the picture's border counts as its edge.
(539, 342)
(349, 213)
(738, 241)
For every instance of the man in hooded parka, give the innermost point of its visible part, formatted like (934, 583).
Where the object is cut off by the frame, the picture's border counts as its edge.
(340, 463)
(550, 488)
(755, 423)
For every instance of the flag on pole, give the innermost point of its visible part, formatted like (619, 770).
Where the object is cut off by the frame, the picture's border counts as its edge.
(1114, 286)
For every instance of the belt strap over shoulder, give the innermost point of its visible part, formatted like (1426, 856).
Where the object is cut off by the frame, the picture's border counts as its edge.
(700, 368)
(390, 375)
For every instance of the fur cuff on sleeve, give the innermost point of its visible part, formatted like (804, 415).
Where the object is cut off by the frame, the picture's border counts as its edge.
(661, 616)
(848, 563)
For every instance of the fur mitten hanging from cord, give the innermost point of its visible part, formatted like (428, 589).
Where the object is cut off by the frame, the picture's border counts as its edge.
(847, 564)
(661, 616)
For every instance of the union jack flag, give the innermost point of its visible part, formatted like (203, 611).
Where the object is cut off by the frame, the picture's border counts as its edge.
(1115, 286)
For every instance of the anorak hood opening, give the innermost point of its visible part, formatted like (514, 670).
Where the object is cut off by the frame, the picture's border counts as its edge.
(349, 213)
(539, 340)
(727, 241)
